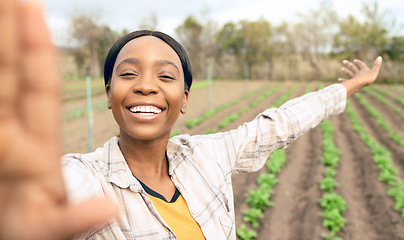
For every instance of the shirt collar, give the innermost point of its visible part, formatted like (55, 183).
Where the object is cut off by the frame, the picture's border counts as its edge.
(175, 152)
(119, 172)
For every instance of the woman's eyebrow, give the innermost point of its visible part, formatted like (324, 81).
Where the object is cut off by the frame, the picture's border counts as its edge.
(127, 60)
(165, 62)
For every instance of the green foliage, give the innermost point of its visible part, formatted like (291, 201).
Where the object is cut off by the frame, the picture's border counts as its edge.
(245, 233)
(175, 133)
(381, 156)
(396, 137)
(267, 180)
(259, 199)
(356, 38)
(276, 161)
(329, 172)
(333, 220)
(210, 131)
(73, 114)
(252, 215)
(190, 123)
(225, 122)
(331, 201)
(333, 205)
(328, 184)
(385, 100)
(285, 96)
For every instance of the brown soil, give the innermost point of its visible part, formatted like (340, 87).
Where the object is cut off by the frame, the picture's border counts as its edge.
(296, 214)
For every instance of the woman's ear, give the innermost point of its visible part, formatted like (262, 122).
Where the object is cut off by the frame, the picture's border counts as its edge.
(184, 102)
(108, 92)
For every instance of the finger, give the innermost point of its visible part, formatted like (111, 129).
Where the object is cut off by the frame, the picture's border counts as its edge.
(377, 64)
(40, 85)
(348, 72)
(349, 65)
(361, 64)
(8, 57)
(342, 79)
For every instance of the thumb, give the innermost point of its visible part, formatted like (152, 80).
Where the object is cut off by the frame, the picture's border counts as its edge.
(377, 64)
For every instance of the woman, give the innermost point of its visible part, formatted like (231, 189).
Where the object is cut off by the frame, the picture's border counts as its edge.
(141, 185)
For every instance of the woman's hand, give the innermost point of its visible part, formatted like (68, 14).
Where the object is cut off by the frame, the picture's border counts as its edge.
(360, 75)
(33, 203)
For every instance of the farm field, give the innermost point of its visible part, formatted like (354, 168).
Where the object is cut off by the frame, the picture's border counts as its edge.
(365, 144)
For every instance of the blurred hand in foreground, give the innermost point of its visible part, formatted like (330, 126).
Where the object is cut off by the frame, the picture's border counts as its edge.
(33, 203)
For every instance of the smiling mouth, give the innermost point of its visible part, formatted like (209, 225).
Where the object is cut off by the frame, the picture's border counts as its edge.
(145, 110)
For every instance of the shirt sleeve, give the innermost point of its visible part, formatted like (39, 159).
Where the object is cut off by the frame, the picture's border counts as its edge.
(81, 180)
(246, 148)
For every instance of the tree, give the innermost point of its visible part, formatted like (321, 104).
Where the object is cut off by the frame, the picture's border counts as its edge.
(314, 35)
(190, 34)
(91, 42)
(363, 39)
(247, 40)
(395, 51)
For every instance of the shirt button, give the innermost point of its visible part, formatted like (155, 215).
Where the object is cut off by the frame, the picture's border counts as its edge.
(194, 212)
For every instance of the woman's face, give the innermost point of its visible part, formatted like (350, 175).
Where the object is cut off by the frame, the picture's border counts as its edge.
(146, 93)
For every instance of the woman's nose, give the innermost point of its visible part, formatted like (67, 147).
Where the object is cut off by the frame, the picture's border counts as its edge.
(145, 85)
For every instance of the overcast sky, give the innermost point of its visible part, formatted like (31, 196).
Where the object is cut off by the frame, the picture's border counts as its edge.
(120, 14)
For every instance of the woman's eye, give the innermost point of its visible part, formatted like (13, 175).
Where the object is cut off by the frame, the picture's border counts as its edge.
(167, 77)
(127, 75)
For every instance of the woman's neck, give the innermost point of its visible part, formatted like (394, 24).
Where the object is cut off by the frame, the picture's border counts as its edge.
(146, 159)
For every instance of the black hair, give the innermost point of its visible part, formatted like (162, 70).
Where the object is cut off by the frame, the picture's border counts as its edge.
(176, 46)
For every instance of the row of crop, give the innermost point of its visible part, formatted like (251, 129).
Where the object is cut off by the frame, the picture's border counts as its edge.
(386, 101)
(233, 117)
(382, 157)
(332, 204)
(259, 200)
(79, 112)
(190, 123)
(387, 93)
(395, 136)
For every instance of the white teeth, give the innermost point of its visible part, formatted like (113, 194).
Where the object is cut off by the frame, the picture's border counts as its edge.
(146, 110)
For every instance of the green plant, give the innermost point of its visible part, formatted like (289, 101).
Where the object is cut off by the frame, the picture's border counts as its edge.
(276, 161)
(267, 180)
(328, 184)
(329, 172)
(333, 220)
(210, 131)
(259, 199)
(245, 233)
(251, 215)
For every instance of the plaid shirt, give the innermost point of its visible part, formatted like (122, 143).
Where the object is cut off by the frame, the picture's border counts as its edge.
(200, 167)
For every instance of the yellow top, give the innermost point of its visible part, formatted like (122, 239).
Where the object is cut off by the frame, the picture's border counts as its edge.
(177, 216)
